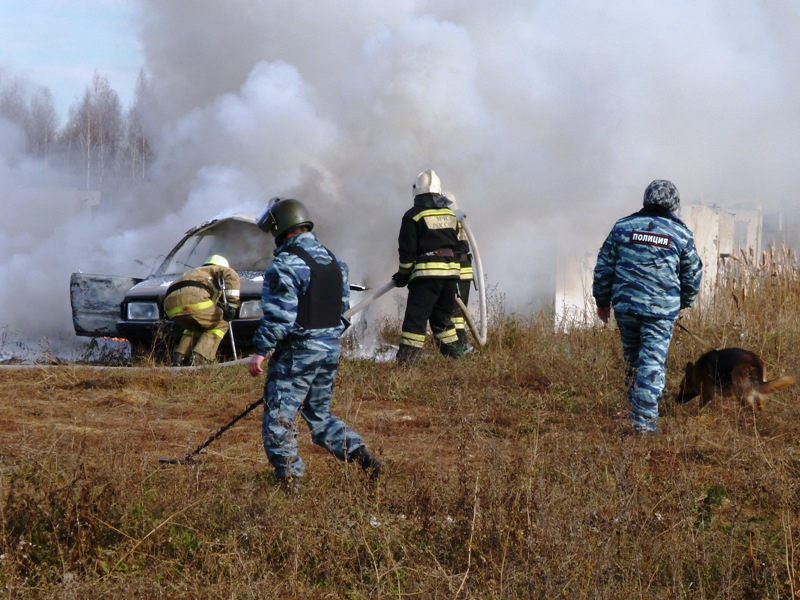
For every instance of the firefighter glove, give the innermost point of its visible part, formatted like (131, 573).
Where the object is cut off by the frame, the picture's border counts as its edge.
(228, 312)
(401, 279)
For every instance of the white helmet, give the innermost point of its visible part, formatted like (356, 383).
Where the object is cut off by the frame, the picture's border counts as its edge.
(427, 182)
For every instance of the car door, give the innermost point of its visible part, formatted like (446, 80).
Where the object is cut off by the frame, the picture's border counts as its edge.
(95, 301)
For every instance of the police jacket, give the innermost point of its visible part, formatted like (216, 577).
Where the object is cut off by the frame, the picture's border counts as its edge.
(648, 266)
(201, 289)
(428, 242)
(302, 304)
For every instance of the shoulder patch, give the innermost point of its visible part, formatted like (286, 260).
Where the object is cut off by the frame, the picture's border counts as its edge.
(272, 282)
(441, 221)
(649, 238)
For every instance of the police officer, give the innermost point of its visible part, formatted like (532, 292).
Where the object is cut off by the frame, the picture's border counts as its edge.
(429, 266)
(195, 301)
(648, 269)
(304, 297)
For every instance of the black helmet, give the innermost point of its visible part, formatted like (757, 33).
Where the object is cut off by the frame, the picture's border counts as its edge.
(281, 215)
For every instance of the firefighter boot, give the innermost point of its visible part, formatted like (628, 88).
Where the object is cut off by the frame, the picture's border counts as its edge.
(199, 359)
(371, 465)
(177, 359)
(463, 340)
(408, 355)
(454, 350)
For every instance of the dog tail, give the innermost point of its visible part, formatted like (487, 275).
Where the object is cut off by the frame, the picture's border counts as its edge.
(772, 386)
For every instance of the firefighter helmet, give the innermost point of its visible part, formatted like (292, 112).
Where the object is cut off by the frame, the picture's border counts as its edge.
(281, 215)
(662, 193)
(427, 182)
(216, 259)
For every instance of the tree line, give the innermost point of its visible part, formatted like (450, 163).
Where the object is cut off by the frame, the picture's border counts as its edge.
(101, 142)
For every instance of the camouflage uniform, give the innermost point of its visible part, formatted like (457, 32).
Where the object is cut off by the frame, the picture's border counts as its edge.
(648, 269)
(303, 365)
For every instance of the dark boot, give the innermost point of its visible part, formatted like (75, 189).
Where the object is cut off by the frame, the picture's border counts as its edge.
(408, 355)
(463, 340)
(371, 465)
(291, 485)
(177, 359)
(199, 359)
(454, 350)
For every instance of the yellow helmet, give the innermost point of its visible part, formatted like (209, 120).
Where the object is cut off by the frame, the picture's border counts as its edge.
(216, 259)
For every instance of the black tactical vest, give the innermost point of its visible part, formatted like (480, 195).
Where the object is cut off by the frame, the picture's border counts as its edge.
(321, 305)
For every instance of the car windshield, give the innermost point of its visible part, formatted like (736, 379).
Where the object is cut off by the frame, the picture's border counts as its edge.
(246, 247)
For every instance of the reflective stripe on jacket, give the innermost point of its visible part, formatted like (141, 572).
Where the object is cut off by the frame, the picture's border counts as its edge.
(199, 289)
(428, 240)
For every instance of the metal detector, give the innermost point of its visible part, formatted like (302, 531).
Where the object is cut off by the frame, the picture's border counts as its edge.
(188, 460)
(230, 323)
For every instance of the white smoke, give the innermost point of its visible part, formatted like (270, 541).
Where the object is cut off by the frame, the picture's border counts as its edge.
(546, 119)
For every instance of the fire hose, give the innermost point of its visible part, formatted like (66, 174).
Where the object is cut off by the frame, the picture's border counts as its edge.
(367, 301)
(478, 332)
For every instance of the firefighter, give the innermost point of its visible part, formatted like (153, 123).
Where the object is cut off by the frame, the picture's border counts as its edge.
(304, 298)
(195, 302)
(466, 279)
(427, 247)
(647, 270)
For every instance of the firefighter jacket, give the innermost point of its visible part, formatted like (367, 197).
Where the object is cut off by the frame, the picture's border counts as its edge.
(294, 305)
(428, 241)
(648, 266)
(201, 289)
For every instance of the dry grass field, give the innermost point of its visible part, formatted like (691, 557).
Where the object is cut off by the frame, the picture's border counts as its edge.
(511, 474)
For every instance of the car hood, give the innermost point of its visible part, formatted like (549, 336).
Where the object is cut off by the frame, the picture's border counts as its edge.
(156, 286)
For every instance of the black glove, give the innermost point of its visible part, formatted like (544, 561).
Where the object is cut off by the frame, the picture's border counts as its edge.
(228, 312)
(401, 279)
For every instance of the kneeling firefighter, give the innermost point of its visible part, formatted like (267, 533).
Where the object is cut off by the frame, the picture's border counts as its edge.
(202, 302)
(305, 295)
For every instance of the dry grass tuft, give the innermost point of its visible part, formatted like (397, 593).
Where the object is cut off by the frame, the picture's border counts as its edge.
(510, 475)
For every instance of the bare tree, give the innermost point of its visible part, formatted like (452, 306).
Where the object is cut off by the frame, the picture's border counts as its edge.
(77, 136)
(137, 153)
(43, 124)
(13, 102)
(95, 128)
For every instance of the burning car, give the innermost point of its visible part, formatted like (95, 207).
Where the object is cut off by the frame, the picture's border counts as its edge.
(133, 308)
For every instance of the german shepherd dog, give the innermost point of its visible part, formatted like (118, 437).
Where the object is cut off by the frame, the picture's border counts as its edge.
(730, 373)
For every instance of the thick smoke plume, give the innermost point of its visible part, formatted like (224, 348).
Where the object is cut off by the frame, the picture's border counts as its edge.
(546, 119)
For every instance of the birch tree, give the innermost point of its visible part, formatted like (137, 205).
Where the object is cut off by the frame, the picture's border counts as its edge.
(93, 133)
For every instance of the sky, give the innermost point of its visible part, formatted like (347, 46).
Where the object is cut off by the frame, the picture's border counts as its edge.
(547, 119)
(60, 43)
